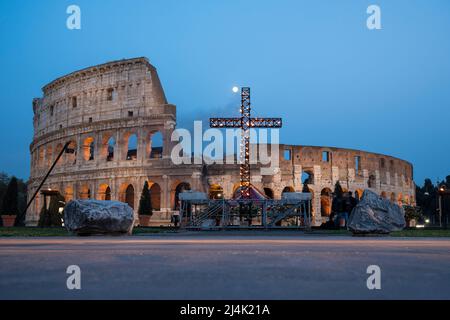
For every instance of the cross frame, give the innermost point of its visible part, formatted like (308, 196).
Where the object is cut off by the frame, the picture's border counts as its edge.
(245, 122)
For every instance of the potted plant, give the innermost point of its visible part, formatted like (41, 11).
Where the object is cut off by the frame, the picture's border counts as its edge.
(10, 204)
(145, 206)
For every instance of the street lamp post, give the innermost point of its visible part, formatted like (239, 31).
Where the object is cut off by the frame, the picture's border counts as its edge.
(442, 191)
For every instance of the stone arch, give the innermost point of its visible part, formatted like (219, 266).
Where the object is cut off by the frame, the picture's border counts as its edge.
(155, 145)
(371, 182)
(325, 202)
(104, 192)
(108, 147)
(132, 146)
(215, 191)
(155, 193)
(41, 156)
(288, 189)
(68, 194)
(88, 149)
(180, 187)
(269, 193)
(85, 192)
(49, 155)
(71, 153)
(127, 194)
(124, 143)
(58, 149)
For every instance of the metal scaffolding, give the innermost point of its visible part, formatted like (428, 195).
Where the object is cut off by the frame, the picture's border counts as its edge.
(243, 213)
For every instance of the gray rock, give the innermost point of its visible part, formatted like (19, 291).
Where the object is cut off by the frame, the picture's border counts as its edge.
(87, 217)
(374, 214)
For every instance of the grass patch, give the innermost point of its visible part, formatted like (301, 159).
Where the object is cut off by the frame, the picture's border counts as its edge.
(33, 232)
(146, 230)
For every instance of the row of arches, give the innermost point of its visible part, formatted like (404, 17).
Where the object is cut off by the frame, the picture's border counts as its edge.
(127, 193)
(107, 150)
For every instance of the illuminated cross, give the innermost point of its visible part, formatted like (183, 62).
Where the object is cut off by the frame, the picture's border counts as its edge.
(245, 122)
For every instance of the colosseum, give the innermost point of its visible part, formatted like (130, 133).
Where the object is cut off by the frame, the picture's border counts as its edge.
(119, 125)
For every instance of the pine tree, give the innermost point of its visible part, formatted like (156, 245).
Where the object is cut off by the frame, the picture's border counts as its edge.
(145, 202)
(10, 203)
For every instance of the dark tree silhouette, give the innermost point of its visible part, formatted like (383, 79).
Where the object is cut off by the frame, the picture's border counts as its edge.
(145, 202)
(10, 204)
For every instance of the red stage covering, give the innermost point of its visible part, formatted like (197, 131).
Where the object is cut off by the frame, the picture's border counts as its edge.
(255, 194)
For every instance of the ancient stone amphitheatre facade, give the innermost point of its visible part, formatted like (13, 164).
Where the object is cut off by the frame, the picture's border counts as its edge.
(119, 124)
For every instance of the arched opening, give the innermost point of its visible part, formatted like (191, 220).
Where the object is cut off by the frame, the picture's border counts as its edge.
(88, 149)
(307, 177)
(68, 194)
(41, 157)
(156, 145)
(287, 189)
(104, 192)
(371, 183)
(215, 192)
(57, 151)
(155, 193)
(132, 147)
(268, 192)
(129, 195)
(71, 153)
(49, 156)
(108, 193)
(181, 187)
(325, 202)
(110, 145)
(85, 192)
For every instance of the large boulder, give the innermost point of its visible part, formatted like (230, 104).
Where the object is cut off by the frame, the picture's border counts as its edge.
(374, 214)
(88, 217)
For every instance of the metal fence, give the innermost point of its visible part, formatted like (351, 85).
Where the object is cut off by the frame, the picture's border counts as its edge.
(264, 214)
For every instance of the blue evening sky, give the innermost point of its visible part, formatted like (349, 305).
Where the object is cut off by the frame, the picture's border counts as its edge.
(314, 63)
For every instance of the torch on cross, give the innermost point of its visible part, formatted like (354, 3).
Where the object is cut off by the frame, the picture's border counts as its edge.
(245, 122)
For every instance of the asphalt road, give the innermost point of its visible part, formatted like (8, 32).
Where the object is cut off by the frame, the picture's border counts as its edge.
(224, 267)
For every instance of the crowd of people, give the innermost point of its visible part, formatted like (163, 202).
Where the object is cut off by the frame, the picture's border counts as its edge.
(341, 208)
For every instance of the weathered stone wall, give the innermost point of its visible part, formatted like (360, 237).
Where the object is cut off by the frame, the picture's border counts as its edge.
(100, 109)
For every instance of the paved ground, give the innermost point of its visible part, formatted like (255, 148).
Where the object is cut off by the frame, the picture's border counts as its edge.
(224, 267)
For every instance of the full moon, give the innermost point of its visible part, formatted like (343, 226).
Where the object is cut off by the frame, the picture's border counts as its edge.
(235, 89)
